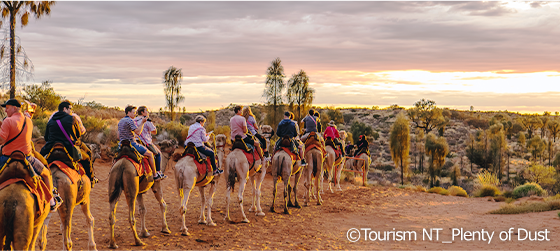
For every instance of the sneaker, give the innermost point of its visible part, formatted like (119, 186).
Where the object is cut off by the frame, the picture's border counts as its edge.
(157, 176)
(303, 163)
(162, 176)
(94, 181)
(218, 172)
(57, 202)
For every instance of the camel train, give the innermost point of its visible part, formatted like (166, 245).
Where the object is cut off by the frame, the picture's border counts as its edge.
(25, 218)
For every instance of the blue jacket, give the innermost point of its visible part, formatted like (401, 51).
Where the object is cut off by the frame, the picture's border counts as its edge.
(286, 127)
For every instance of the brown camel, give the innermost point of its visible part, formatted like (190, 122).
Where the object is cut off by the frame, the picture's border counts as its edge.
(187, 177)
(19, 219)
(123, 176)
(72, 194)
(283, 168)
(334, 167)
(314, 171)
(237, 168)
(356, 165)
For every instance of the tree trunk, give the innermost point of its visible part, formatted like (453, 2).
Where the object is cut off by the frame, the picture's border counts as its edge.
(12, 54)
(402, 172)
(508, 169)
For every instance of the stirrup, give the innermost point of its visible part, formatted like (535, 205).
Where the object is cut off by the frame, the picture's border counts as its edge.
(218, 172)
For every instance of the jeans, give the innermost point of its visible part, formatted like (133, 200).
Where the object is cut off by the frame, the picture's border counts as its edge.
(208, 152)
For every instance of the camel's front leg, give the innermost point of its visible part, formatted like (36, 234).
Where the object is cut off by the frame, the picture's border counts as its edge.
(158, 193)
(242, 184)
(259, 179)
(202, 218)
(228, 199)
(90, 223)
(209, 202)
(144, 233)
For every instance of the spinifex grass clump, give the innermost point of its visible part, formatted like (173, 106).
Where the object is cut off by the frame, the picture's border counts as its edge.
(438, 190)
(528, 207)
(487, 190)
(457, 191)
(528, 189)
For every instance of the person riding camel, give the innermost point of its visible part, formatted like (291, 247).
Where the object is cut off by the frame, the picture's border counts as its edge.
(238, 126)
(15, 135)
(332, 132)
(73, 127)
(145, 138)
(254, 129)
(126, 131)
(318, 119)
(287, 127)
(349, 147)
(28, 110)
(361, 144)
(197, 135)
(310, 124)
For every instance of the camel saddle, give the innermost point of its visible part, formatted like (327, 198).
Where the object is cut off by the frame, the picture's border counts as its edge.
(190, 149)
(362, 151)
(239, 143)
(10, 174)
(330, 142)
(202, 163)
(140, 162)
(312, 141)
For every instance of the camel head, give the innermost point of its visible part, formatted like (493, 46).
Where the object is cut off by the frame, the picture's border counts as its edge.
(95, 152)
(221, 140)
(267, 131)
(168, 146)
(343, 135)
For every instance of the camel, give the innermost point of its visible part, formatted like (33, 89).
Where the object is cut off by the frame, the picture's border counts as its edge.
(283, 168)
(19, 211)
(123, 176)
(237, 168)
(314, 170)
(334, 168)
(353, 164)
(187, 177)
(72, 194)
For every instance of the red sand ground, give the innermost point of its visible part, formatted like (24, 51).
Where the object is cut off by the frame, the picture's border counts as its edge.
(313, 227)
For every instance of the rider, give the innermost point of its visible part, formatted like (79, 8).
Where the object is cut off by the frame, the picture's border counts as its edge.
(310, 125)
(198, 135)
(146, 138)
(126, 131)
(349, 147)
(238, 126)
(318, 119)
(332, 132)
(253, 128)
(361, 144)
(288, 127)
(81, 146)
(28, 110)
(15, 137)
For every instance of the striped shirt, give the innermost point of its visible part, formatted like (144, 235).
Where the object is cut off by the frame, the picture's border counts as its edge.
(126, 129)
(197, 135)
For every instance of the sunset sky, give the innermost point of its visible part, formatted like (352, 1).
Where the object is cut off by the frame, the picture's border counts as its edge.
(490, 55)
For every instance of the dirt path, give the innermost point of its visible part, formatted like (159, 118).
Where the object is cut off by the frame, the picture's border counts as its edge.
(313, 227)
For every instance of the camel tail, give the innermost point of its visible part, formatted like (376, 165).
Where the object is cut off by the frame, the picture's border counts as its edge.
(315, 168)
(116, 193)
(231, 176)
(279, 169)
(9, 215)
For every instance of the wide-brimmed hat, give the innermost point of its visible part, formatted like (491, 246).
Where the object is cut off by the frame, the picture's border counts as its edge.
(13, 102)
(331, 123)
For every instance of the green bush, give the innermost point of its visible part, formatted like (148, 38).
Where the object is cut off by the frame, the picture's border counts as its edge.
(508, 194)
(457, 191)
(41, 124)
(177, 130)
(558, 214)
(487, 190)
(528, 189)
(438, 190)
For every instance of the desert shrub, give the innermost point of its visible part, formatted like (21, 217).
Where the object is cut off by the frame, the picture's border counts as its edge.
(487, 190)
(540, 174)
(438, 190)
(558, 214)
(508, 194)
(500, 198)
(41, 125)
(376, 116)
(478, 123)
(510, 200)
(528, 207)
(177, 130)
(348, 118)
(93, 124)
(223, 130)
(420, 188)
(457, 191)
(555, 197)
(359, 128)
(528, 189)
(486, 178)
(36, 133)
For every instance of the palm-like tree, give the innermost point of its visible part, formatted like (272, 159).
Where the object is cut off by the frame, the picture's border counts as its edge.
(299, 93)
(274, 85)
(21, 9)
(172, 87)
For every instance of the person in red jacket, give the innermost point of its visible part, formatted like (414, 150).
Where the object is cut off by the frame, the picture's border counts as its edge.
(332, 132)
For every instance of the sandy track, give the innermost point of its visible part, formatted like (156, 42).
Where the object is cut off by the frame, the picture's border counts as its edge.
(313, 227)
